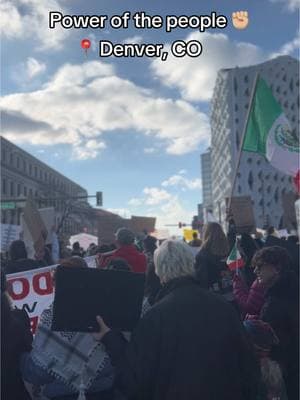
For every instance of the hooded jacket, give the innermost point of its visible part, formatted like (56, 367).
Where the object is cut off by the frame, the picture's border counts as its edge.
(135, 259)
(189, 345)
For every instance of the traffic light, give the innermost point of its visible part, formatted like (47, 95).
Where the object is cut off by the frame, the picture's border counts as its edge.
(99, 200)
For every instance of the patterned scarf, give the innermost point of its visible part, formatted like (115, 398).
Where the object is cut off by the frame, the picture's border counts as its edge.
(71, 357)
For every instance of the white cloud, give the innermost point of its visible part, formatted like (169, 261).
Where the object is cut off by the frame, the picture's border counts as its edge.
(292, 5)
(155, 196)
(195, 77)
(28, 19)
(82, 102)
(133, 40)
(34, 67)
(182, 172)
(172, 213)
(184, 183)
(149, 150)
(28, 70)
(288, 48)
(135, 202)
(88, 150)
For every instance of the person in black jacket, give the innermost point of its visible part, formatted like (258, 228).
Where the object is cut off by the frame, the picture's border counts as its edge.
(211, 259)
(189, 345)
(281, 310)
(18, 259)
(15, 339)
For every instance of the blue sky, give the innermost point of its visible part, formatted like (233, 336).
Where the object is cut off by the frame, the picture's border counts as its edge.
(132, 128)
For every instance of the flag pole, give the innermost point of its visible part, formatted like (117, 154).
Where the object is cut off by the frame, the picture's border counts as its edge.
(243, 139)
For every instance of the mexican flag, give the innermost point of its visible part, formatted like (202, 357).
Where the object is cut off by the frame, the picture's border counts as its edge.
(269, 132)
(234, 260)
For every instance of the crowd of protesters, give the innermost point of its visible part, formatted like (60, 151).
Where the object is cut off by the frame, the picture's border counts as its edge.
(205, 332)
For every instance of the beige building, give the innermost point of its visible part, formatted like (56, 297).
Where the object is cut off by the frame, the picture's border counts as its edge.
(23, 175)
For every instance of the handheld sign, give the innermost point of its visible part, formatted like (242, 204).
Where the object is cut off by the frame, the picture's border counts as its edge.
(83, 293)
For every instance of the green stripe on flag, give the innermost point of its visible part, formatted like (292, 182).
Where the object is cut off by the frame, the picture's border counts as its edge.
(264, 111)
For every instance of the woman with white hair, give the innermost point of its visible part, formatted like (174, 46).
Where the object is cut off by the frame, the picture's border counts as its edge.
(189, 345)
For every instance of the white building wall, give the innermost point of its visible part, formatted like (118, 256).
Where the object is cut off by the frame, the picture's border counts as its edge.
(256, 177)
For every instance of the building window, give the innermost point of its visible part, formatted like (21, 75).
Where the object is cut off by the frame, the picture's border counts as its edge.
(236, 107)
(290, 179)
(278, 89)
(35, 172)
(239, 189)
(235, 86)
(284, 78)
(249, 160)
(3, 155)
(24, 166)
(269, 189)
(11, 159)
(247, 93)
(18, 162)
(276, 196)
(237, 140)
(276, 177)
(30, 169)
(236, 120)
(246, 106)
(19, 189)
(250, 180)
(291, 85)
(283, 191)
(3, 186)
(25, 191)
(258, 162)
(246, 79)
(12, 188)
(41, 175)
(30, 192)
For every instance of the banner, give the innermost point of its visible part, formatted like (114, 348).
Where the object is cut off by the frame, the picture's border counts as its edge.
(33, 290)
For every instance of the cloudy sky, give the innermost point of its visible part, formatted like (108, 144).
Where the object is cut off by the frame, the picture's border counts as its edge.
(133, 128)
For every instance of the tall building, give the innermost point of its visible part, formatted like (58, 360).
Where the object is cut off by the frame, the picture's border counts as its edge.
(256, 177)
(206, 180)
(23, 175)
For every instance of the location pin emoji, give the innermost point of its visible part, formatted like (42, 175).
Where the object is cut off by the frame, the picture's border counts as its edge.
(85, 44)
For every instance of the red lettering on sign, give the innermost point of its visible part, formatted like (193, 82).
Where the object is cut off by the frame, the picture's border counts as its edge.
(33, 324)
(25, 288)
(46, 278)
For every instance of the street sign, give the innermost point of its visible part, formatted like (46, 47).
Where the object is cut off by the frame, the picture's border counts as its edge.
(9, 205)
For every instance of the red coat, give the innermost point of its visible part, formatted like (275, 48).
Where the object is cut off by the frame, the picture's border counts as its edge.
(135, 259)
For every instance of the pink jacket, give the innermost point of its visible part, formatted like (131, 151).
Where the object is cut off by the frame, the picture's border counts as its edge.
(250, 300)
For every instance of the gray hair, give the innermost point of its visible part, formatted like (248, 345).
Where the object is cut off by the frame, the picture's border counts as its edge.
(173, 259)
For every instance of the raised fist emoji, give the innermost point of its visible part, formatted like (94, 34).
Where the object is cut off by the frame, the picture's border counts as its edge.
(240, 19)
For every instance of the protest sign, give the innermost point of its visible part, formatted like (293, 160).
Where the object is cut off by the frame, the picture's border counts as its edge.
(289, 212)
(9, 233)
(241, 210)
(35, 225)
(188, 234)
(33, 290)
(84, 239)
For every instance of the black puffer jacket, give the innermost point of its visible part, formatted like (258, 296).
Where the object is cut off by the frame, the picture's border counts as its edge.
(16, 338)
(281, 311)
(208, 270)
(190, 345)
